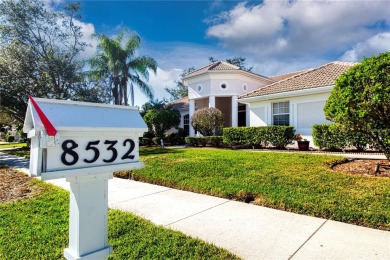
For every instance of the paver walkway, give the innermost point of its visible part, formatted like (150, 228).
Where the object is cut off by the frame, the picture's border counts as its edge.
(251, 232)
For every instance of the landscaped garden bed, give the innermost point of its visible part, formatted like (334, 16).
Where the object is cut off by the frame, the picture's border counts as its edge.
(34, 221)
(297, 182)
(372, 168)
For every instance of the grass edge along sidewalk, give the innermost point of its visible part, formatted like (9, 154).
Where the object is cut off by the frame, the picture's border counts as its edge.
(37, 228)
(300, 183)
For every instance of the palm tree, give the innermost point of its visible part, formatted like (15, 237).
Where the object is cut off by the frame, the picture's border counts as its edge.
(123, 67)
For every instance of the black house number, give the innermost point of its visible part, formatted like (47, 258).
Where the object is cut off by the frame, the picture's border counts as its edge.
(69, 146)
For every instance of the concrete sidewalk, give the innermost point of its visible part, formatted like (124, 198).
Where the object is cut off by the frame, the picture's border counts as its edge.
(251, 232)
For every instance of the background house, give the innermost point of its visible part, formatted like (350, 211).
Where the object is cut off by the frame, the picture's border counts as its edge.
(249, 99)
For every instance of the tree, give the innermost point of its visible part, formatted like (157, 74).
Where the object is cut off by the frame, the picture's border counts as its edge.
(208, 121)
(39, 51)
(154, 104)
(161, 120)
(360, 100)
(180, 91)
(119, 64)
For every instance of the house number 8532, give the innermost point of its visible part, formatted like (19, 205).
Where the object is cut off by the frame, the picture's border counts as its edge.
(70, 156)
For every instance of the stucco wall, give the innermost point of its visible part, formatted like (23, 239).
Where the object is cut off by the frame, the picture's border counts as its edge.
(305, 111)
(210, 84)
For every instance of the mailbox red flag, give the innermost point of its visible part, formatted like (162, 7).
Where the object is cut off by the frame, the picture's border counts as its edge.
(50, 129)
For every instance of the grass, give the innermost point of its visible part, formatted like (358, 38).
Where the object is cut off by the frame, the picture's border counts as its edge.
(300, 183)
(12, 145)
(38, 229)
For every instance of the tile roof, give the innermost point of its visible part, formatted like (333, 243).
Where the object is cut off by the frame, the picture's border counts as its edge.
(287, 75)
(180, 103)
(325, 75)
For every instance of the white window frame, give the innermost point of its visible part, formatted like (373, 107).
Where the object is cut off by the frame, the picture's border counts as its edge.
(280, 111)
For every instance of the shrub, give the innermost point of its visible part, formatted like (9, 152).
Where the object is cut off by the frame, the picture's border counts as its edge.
(214, 141)
(329, 136)
(338, 137)
(278, 136)
(208, 121)
(360, 100)
(190, 141)
(242, 136)
(200, 140)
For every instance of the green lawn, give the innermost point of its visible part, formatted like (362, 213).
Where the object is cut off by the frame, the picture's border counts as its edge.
(21, 152)
(38, 229)
(295, 182)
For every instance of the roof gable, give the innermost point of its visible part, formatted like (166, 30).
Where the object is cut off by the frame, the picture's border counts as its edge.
(222, 66)
(219, 65)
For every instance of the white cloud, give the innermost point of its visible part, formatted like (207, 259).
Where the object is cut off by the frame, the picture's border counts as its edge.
(163, 79)
(374, 45)
(88, 29)
(301, 28)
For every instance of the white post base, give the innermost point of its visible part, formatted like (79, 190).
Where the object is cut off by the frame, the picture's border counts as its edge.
(101, 254)
(88, 217)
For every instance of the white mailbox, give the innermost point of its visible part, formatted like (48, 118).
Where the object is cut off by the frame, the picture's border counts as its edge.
(84, 143)
(67, 136)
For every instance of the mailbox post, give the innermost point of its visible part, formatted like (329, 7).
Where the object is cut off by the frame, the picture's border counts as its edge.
(84, 143)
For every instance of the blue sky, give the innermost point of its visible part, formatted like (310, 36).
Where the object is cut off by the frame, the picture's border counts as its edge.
(275, 36)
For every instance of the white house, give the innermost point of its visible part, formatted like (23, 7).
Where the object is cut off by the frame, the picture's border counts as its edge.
(219, 85)
(249, 99)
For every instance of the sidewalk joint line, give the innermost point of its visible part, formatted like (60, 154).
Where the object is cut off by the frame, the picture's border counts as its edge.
(307, 240)
(197, 213)
(168, 189)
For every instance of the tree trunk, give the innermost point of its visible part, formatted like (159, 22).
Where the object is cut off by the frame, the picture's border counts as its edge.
(132, 93)
(124, 86)
(115, 91)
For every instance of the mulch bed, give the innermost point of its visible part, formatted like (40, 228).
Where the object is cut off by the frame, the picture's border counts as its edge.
(15, 186)
(364, 167)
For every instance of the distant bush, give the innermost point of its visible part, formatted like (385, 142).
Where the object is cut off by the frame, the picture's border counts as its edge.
(10, 138)
(198, 141)
(146, 141)
(190, 141)
(156, 140)
(176, 138)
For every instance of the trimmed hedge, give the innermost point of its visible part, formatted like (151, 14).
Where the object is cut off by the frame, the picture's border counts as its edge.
(278, 136)
(337, 137)
(198, 141)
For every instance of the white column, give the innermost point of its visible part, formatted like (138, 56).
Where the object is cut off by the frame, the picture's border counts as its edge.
(234, 111)
(248, 114)
(191, 112)
(88, 217)
(211, 101)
